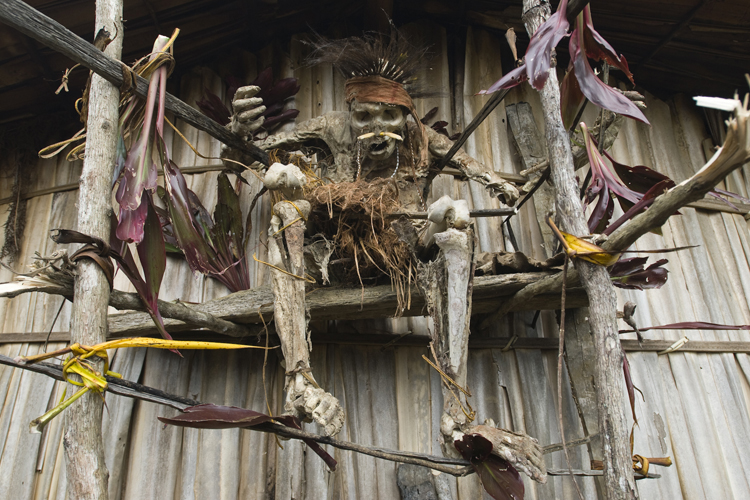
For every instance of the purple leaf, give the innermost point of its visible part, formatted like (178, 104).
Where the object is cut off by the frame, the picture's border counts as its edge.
(130, 227)
(571, 98)
(427, 118)
(197, 252)
(281, 90)
(214, 108)
(264, 81)
(592, 87)
(629, 274)
(646, 201)
(509, 80)
(598, 48)
(289, 114)
(152, 254)
(209, 416)
(500, 479)
(291, 421)
(539, 53)
(639, 178)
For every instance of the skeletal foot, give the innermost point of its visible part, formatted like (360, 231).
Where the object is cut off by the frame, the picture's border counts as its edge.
(520, 450)
(309, 402)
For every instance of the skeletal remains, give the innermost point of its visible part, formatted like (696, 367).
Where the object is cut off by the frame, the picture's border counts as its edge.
(375, 139)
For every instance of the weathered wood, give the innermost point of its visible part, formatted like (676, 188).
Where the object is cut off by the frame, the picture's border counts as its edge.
(530, 145)
(344, 303)
(618, 472)
(580, 357)
(87, 473)
(33, 23)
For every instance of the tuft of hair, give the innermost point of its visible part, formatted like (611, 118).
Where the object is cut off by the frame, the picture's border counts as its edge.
(391, 56)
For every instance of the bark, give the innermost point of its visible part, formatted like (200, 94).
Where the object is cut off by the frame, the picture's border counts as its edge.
(86, 471)
(618, 467)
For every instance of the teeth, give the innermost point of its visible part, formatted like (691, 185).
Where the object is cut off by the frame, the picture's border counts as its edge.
(381, 134)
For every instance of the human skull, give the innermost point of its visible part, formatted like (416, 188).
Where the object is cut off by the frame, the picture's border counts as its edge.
(377, 118)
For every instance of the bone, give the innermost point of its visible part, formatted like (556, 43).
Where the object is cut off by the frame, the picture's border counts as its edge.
(288, 179)
(286, 238)
(445, 213)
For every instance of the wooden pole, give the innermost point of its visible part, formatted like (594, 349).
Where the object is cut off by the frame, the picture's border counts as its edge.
(84, 453)
(618, 466)
(27, 20)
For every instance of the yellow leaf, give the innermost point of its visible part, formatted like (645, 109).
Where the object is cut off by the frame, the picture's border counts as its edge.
(582, 249)
(169, 344)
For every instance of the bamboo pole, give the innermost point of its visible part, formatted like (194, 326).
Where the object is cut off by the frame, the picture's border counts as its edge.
(87, 473)
(618, 467)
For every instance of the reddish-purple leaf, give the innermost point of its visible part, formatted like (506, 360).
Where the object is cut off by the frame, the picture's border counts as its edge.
(598, 48)
(131, 222)
(280, 91)
(264, 81)
(571, 98)
(209, 416)
(152, 254)
(213, 107)
(289, 114)
(500, 479)
(427, 118)
(629, 274)
(508, 81)
(593, 88)
(692, 325)
(291, 421)
(638, 207)
(197, 252)
(539, 53)
(639, 178)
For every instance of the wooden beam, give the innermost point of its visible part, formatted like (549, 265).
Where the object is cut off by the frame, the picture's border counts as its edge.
(664, 41)
(33, 23)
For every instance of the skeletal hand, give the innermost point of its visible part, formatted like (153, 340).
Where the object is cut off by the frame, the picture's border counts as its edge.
(310, 402)
(520, 450)
(247, 110)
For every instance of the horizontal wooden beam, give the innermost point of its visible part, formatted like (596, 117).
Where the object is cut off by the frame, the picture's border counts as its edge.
(388, 340)
(49, 32)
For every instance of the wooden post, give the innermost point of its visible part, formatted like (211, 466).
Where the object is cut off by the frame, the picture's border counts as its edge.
(618, 466)
(86, 471)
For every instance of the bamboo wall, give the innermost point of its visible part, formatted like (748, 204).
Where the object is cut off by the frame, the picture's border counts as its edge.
(694, 406)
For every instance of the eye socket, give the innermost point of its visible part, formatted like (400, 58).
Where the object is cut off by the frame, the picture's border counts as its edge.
(362, 116)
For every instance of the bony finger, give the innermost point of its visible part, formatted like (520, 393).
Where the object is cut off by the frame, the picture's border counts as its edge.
(247, 91)
(245, 104)
(250, 114)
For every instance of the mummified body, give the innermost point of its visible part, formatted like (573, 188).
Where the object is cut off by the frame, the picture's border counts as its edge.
(376, 140)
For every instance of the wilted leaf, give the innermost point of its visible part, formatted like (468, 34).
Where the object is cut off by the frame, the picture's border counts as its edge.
(509, 80)
(582, 249)
(598, 48)
(592, 87)
(170, 344)
(209, 416)
(500, 479)
(571, 98)
(539, 53)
